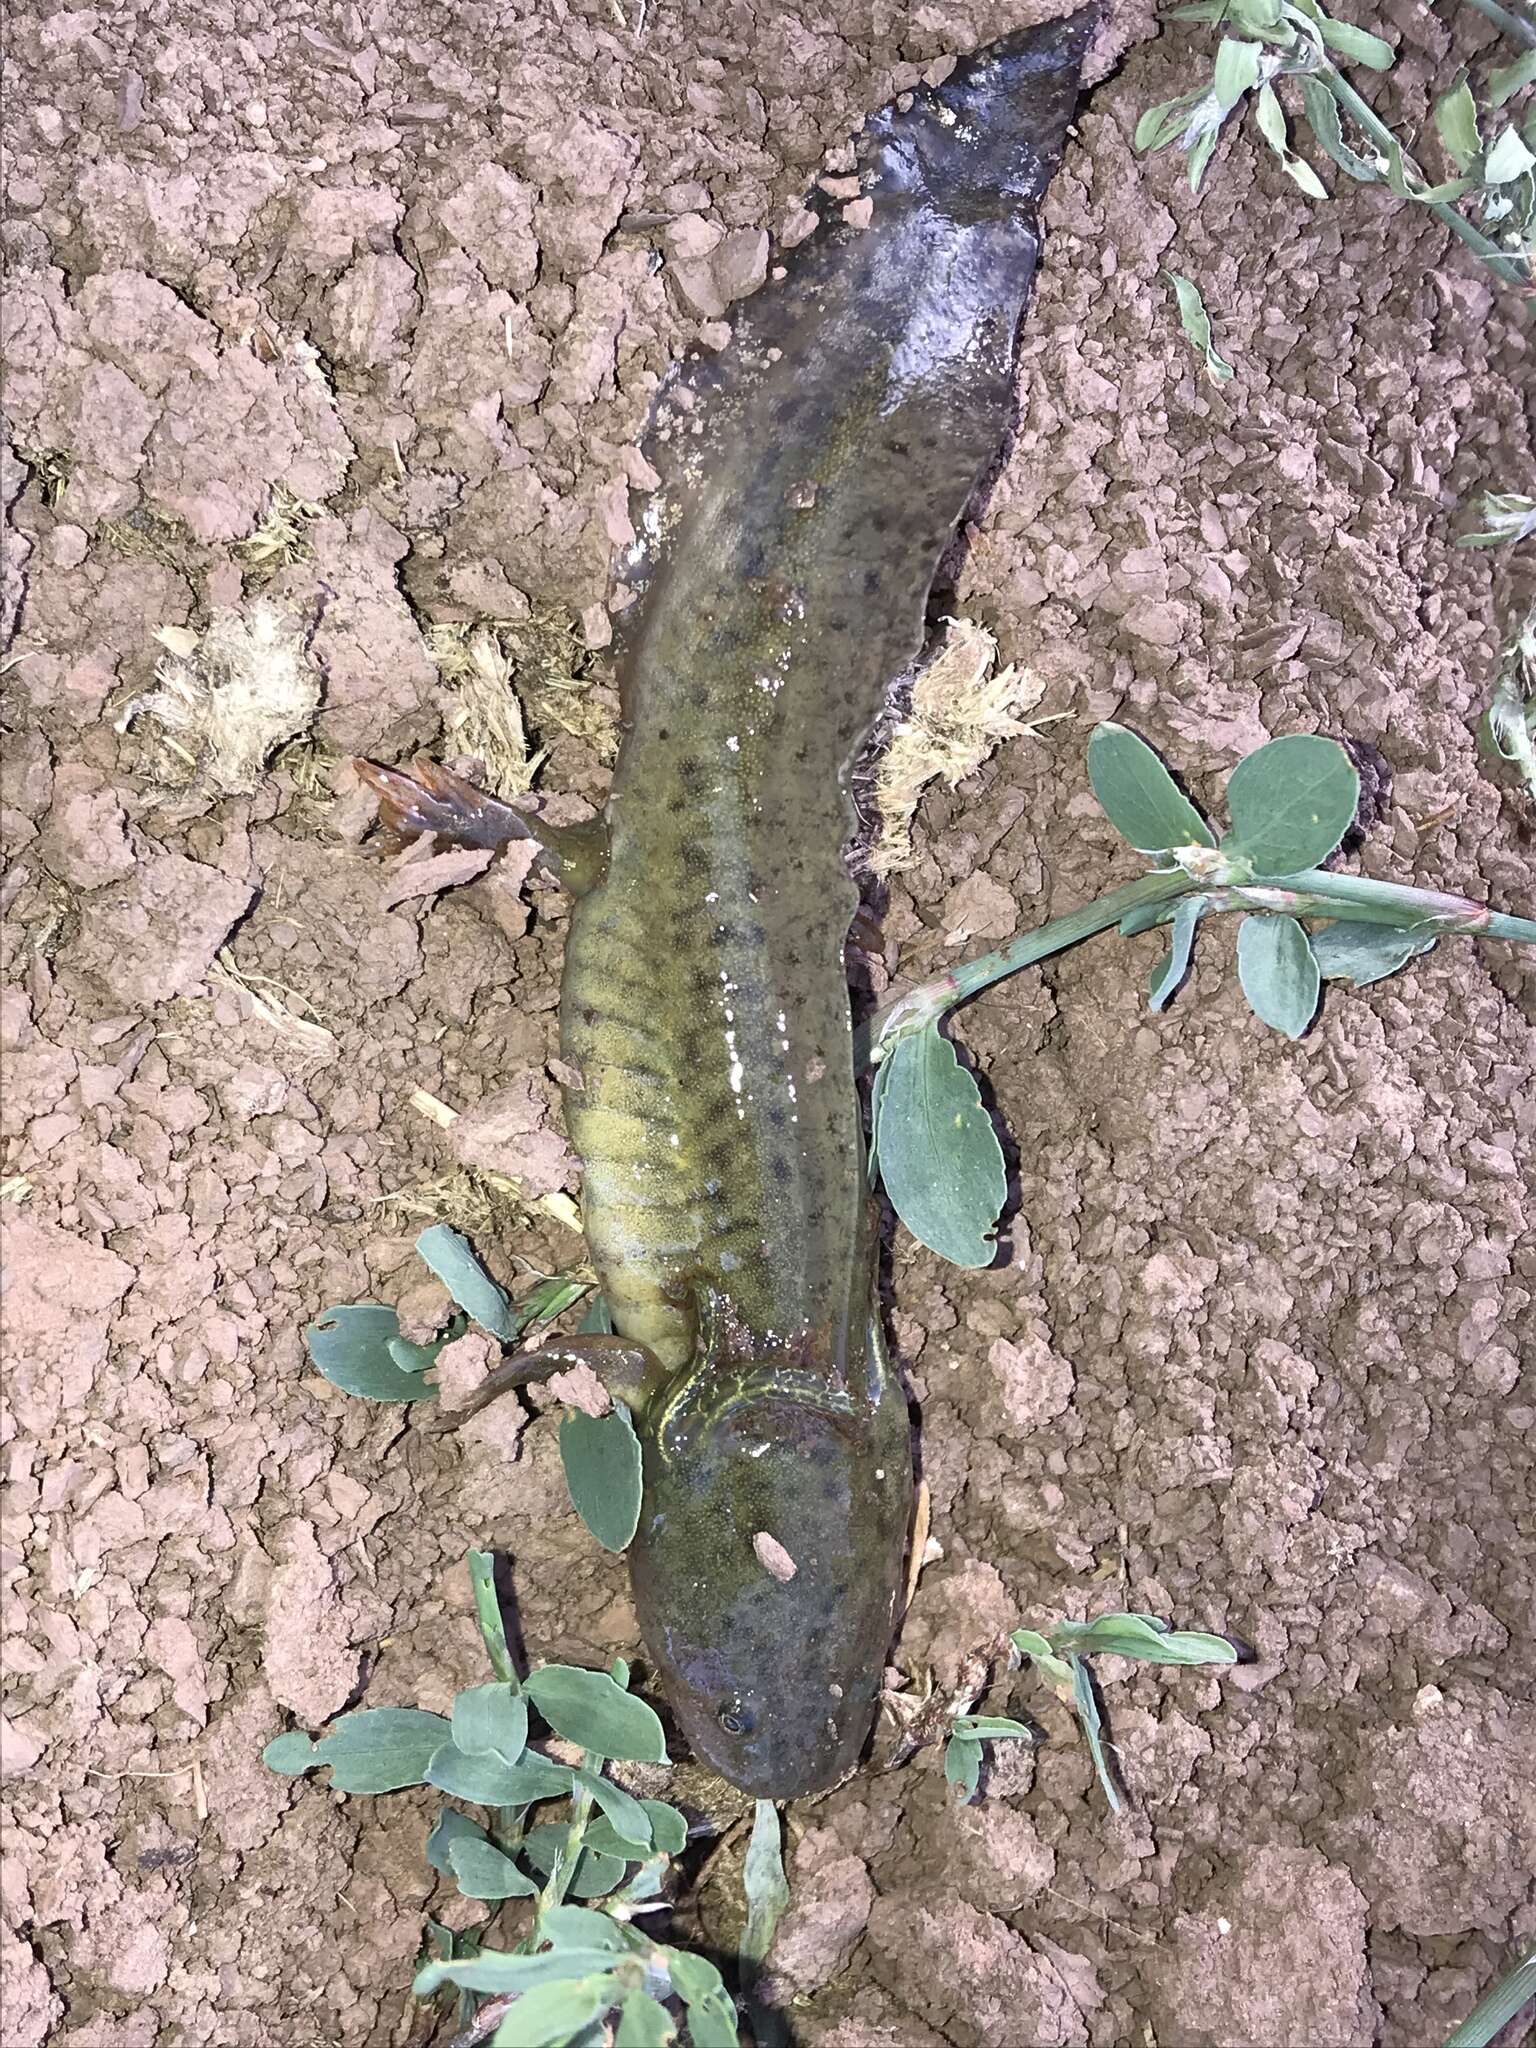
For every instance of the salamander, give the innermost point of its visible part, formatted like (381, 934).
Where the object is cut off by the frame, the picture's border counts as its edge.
(811, 477)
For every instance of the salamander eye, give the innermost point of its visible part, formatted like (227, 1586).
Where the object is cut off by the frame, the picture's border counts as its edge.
(735, 1718)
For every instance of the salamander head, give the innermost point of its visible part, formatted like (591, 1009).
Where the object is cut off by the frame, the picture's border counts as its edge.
(765, 1571)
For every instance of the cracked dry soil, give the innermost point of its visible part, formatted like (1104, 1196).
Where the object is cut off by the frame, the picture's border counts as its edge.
(1258, 1352)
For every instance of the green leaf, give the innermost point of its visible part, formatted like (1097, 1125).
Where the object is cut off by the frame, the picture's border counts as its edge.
(1456, 121)
(452, 1944)
(493, 1629)
(487, 1781)
(1175, 965)
(449, 1828)
(1322, 112)
(595, 1874)
(937, 1152)
(1259, 16)
(1163, 124)
(586, 1707)
(1196, 322)
(490, 1720)
(552, 2013)
(1279, 974)
(668, 1836)
(1056, 1671)
(1508, 79)
(644, 2023)
(1363, 953)
(1138, 795)
(598, 1320)
(711, 2013)
(712, 2023)
(1399, 182)
(580, 1927)
(549, 1299)
(962, 1765)
(625, 1813)
(453, 1261)
(419, 1357)
(993, 1728)
(1357, 44)
(496, 1970)
(1513, 1992)
(1291, 802)
(1237, 71)
(1142, 1636)
(1301, 173)
(381, 1749)
(1507, 159)
(601, 1456)
(351, 1348)
(1200, 153)
(482, 1871)
(291, 1754)
(1085, 1705)
(767, 1887)
(1270, 116)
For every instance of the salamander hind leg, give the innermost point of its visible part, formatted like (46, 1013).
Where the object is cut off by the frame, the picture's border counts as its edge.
(429, 798)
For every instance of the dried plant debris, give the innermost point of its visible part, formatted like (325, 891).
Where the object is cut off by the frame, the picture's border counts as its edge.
(282, 537)
(227, 697)
(151, 534)
(280, 1008)
(51, 468)
(557, 682)
(484, 716)
(962, 707)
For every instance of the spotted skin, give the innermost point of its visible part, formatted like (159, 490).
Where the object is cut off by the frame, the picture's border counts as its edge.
(811, 477)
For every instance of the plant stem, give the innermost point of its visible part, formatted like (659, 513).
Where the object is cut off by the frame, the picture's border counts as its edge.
(563, 1869)
(1357, 896)
(933, 998)
(1509, 268)
(1314, 892)
(1514, 26)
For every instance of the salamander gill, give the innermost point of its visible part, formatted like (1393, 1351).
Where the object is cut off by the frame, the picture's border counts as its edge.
(812, 475)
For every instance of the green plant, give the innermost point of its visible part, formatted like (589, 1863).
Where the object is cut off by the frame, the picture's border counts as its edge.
(1265, 43)
(1509, 724)
(1196, 323)
(1059, 1653)
(1510, 719)
(1507, 516)
(1501, 2003)
(360, 1349)
(1291, 803)
(573, 1964)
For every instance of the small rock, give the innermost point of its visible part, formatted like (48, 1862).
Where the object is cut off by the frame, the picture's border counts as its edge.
(578, 1386)
(773, 1557)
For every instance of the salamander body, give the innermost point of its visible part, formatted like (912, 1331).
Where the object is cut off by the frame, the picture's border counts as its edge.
(812, 476)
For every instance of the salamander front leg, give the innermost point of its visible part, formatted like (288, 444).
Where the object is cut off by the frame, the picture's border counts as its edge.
(629, 1371)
